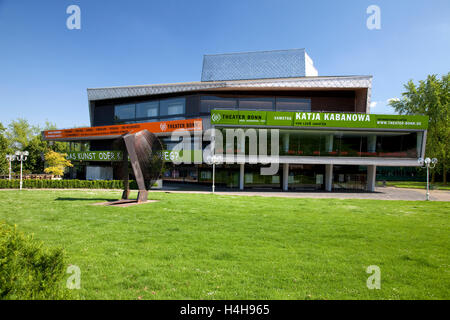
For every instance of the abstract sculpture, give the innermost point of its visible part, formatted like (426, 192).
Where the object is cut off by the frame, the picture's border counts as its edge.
(145, 152)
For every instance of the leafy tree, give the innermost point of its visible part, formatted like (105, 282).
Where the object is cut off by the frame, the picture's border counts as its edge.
(20, 133)
(56, 163)
(3, 151)
(431, 97)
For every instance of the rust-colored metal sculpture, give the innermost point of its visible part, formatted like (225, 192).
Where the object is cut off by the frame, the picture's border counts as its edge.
(144, 150)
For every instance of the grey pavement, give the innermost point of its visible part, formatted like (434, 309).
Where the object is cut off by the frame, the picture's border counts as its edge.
(381, 193)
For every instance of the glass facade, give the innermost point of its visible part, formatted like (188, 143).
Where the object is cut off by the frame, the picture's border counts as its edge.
(149, 111)
(306, 177)
(338, 143)
(208, 103)
(175, 108)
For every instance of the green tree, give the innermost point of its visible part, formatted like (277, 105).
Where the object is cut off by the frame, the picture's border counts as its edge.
(20, 133)
(431, 97)
(57, 162)
(3, 151)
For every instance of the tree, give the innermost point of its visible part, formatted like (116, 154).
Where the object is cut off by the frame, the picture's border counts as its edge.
(3, 151)
(20, 133)
(57, 162)
(431, 97)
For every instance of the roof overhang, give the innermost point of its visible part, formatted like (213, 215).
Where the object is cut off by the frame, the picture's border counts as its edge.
(303, 83)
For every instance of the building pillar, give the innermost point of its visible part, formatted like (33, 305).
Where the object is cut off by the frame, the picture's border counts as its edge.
(328, 177)
(371, 143)
(285, 176)
(371, 177)
(241, 176)
(329, 143)
(286, 143)
(419, 144)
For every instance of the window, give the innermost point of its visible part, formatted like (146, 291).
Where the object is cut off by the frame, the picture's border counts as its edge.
(256, 103)
(293, 104)
(124, 112)
(147, 109)
(208, 103)
(172, 106)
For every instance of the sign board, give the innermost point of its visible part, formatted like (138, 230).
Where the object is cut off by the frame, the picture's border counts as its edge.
(115, 155)
(121, 129)
(318, 119)
(95, 156)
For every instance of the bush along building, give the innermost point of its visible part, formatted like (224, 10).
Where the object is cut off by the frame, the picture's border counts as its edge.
(319, 127)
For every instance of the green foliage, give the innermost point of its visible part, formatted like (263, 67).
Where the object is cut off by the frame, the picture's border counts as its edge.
(205, 246)
(431, 98)
(65, 184)
(4, 167)
(28, 270)
(20, 133)
(57, 162)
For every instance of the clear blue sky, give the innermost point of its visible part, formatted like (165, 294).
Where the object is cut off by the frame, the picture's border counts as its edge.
(45, 68)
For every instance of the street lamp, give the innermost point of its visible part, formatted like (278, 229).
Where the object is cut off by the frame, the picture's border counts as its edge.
(21, 156)
(10, 158)
(214, 161)
(429, 164)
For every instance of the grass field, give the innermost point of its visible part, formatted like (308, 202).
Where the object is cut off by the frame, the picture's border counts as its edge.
(203, 246)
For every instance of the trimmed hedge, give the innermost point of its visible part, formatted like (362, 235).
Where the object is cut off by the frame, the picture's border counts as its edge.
(65, 184)
(28, 270)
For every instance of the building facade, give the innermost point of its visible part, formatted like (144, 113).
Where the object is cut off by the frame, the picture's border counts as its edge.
(326, 137)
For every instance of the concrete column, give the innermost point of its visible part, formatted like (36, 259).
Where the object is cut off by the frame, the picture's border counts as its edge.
(286, 142)
(241, 176)
(419, 144)
(329, 143)
(371, 176)
(328, 177)
(371, 143)
(285, 176)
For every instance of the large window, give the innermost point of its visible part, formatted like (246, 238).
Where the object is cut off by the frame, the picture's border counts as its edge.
(208, 103)
(326, 143)
(256, 103)
(172, 106)
(125, 112)
(293, 104)
(147, 109)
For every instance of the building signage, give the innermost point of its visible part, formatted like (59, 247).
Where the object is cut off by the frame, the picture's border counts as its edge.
(318, 119)
(95, 156)
(121, 129)
(115, 155)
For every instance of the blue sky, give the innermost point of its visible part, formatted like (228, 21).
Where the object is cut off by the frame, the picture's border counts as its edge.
(45, 68)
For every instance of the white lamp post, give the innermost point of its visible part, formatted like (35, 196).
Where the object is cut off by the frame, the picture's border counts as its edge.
(429, 164)
(21, 156)
(10, 158)
(214, 161)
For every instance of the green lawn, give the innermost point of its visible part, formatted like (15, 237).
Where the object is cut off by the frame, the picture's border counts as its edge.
(203, 246)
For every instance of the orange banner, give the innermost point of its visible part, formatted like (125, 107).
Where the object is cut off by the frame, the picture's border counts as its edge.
(121, 129)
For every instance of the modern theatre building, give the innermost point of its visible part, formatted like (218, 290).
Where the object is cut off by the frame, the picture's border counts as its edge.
(327, 138)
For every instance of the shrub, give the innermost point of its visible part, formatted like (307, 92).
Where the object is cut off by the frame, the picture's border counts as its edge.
(65, 184)
(28, 270)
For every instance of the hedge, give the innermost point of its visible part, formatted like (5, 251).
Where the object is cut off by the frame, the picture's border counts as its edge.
(65, 184)
(29, 270)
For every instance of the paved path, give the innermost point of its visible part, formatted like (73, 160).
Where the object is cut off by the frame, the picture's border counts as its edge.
(385, 193)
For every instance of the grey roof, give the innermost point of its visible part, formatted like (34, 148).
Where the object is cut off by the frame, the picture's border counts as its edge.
(300, 83)
(257, 65)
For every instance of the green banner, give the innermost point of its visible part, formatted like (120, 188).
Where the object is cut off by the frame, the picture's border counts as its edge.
(95, 156)
(168, 155)
(318, 119)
